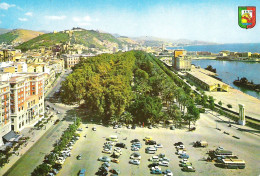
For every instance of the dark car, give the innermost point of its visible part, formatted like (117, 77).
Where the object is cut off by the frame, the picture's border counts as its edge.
(151, 142)
(121, 145)
(153, 165)
(134, 127)
(178, 143)
(135, 140)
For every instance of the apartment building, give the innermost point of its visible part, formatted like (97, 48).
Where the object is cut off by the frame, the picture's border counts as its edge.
(70, 60)
(5, 122)
(26, 98)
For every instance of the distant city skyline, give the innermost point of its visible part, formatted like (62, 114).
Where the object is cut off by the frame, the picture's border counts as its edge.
(191, 19)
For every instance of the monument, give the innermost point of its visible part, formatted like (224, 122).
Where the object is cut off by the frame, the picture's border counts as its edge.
(242, 118)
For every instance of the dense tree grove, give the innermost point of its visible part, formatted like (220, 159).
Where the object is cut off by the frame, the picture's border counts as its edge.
(129, 87)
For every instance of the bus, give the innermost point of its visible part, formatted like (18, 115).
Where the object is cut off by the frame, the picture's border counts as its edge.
(219, 153)
(233, 163)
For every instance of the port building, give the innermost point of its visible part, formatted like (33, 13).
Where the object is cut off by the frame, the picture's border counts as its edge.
(207, 82)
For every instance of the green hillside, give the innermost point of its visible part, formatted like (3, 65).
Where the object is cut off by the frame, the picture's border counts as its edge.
(44, 40)
(88, 38)
(18, 36)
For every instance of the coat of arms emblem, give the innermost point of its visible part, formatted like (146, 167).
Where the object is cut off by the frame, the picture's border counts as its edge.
(246, 16)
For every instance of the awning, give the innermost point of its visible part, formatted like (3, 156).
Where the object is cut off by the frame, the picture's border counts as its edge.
(11, 136)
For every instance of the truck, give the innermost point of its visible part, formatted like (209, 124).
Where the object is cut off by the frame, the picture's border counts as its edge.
(200, 144)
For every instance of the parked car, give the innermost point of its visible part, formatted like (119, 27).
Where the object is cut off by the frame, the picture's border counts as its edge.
(152, 165)
(164, 159)
(184, 156)
(121, 145)
(154, 159)
(188, 169)
(104, 159)
(79, 129)
(172, 128)
(107, 151)
(115, 127)
(134, 127)
(150, 142)
(148, 138)
(79, 157)
(158, 146)
(179, 152)
(185, 164)
(178, 143)
(58, 112)
(184, 160)
(157, 171)
(115, 160)
(115, 171)
(82, 172)
(105, 164)
(94, 129)
(135, 156)
(135, 162)
(135, 148)
(135, 140)
(167, 172)
(164, 163)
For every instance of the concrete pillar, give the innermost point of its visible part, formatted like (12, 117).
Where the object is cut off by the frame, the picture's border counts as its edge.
(242, 118)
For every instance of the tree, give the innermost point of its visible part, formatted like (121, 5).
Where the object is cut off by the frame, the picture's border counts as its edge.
(127, 117)
(41, 170)
(220, 103)
(211, 103)
(229, 106)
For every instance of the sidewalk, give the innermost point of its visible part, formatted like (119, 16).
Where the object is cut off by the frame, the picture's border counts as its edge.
(34, 135)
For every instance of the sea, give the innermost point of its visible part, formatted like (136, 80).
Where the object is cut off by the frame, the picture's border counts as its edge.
(229, 71)
(237, 47)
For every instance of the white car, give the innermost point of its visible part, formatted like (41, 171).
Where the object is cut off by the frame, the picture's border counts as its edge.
(94, 129)
(79, 129)
(220, 148)
(58, 112)
(135, 162)
(184, 160)
(107, 151)
(180, 152)
(154, 159)
(155, 168)
(164, 163)
(118, 149)
(164, 159)
(158, 146)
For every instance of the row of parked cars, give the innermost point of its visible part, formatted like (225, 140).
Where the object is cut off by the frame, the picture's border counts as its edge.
(115, 150)
(184, 162)
(61, 157)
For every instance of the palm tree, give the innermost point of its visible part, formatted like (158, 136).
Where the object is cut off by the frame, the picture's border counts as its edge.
(127, 117)
(114, 119)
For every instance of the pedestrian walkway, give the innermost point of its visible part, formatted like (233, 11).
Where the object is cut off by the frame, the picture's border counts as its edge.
(34, 135)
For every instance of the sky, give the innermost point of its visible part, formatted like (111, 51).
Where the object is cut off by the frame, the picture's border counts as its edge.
(211, 20)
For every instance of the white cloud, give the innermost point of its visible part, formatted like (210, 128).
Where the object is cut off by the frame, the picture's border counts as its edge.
(2, 15)
(56, 17)
(82, 19)
(0, 22)
(6, 6)
(22, 19)
(29, 14)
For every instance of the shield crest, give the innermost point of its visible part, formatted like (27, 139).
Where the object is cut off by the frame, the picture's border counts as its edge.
(247, 16)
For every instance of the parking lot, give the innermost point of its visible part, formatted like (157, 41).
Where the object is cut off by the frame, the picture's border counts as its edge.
(91, 146)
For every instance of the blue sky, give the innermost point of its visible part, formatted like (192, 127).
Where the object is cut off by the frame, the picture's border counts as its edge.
(214, 21)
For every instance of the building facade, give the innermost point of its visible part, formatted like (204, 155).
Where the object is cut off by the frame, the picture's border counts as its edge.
(26, 98)
(5, 122)
(182, 63)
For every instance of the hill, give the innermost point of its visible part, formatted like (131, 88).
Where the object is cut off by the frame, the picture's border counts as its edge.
(18, 36)
(88, 38)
